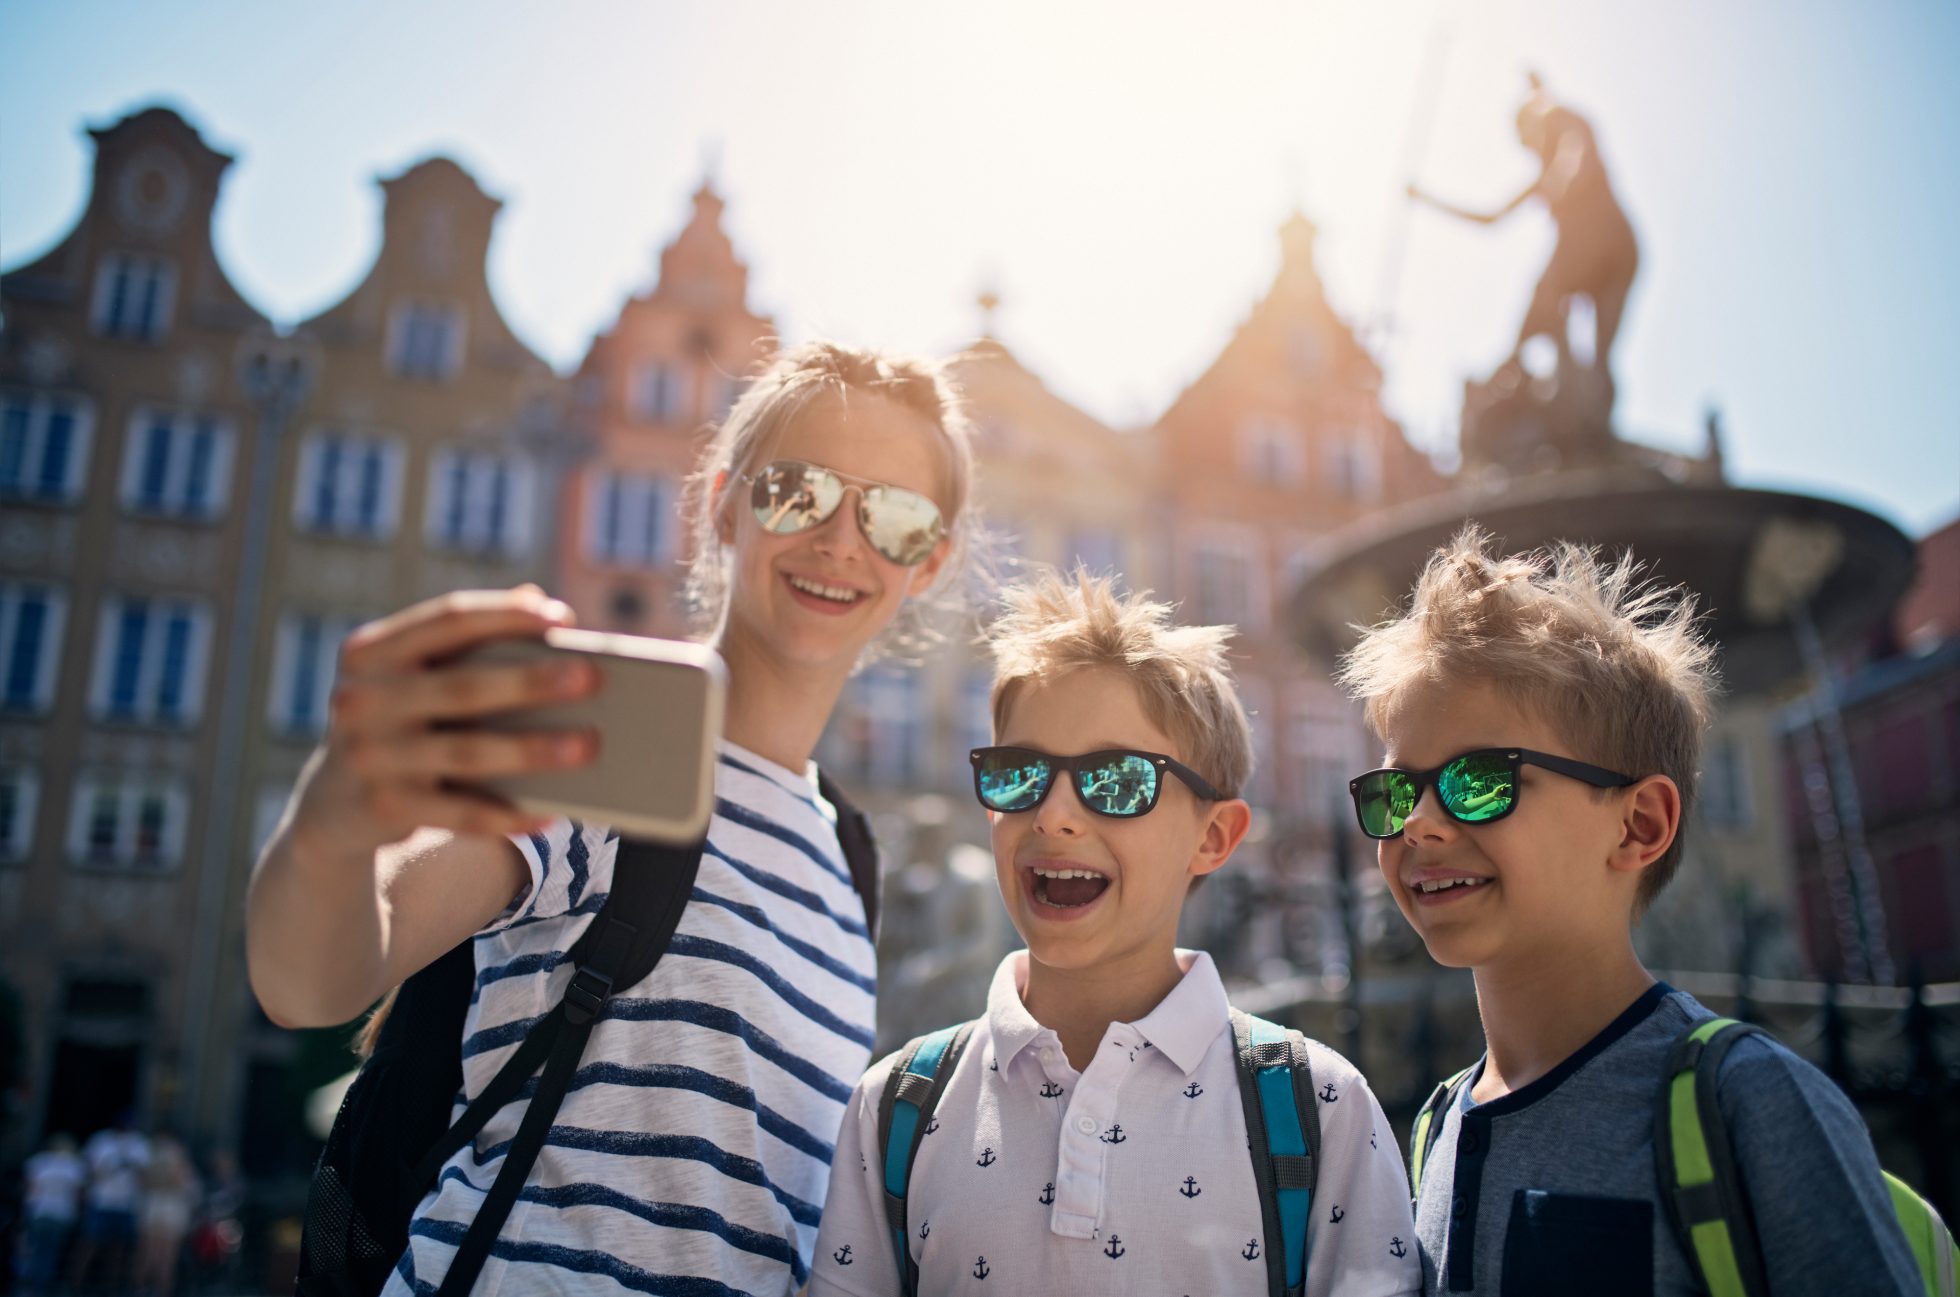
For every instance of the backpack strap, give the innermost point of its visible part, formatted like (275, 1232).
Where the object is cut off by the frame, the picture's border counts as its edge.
(1429, 1125)
(1700, 1185)
(860, 848)
(1283, 1120)
(905, 1109)
(625, 940)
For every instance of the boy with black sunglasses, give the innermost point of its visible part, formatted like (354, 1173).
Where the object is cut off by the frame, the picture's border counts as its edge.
(1542, 717)
(1111, 1125)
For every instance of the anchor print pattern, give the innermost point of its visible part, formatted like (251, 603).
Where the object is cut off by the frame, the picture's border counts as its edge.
(987, 1157)
(842, 1256)
(1251, 1250)
(1114, 1135)
(925, 1228)
(932, 1125)
(981, 1269)
(1396, 1249)
(1190, 1189)
(1192, 1090)
(1115, 1248)
(1047, 1198)
(1327, 1094)
(1334, 1218)
(1049, 1090)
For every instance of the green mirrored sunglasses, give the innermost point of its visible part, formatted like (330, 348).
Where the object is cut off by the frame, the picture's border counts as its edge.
(1475, 788)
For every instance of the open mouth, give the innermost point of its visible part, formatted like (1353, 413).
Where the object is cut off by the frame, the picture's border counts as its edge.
(1447, 888)
(843, 596)
(1068, 889)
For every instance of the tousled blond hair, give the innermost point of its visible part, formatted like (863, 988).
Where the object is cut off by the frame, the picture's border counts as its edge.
(755, 424)
(1054, 624)
(1617, 666)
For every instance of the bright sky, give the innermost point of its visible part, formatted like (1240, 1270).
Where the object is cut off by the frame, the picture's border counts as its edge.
(1119, 171)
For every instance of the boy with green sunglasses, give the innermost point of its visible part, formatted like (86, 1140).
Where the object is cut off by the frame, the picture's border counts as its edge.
(1542, 717)
(1111, 1125)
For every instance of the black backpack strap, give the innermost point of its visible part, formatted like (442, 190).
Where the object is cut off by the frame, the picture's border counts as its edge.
(860, 849)
(1700, 1185)
(1283, 1121)
(905, 1109)
(650, 889)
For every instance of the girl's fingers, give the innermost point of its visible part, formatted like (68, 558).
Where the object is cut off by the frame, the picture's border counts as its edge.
(418, 758)
(409, 806)
(388, 704)
(445, 626)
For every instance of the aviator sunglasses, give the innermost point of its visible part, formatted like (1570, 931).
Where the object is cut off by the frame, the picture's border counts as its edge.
(789, 496)
(1475, 788)
(1117, 782)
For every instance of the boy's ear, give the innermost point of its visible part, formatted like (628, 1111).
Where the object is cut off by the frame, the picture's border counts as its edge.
(1649, 820)
(927, 572)
(1225, 828)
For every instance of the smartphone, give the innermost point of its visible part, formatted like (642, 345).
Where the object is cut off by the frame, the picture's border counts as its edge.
(658, 714)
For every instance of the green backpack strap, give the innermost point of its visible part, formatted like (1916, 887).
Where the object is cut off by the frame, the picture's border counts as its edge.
(1429, 1125)
(1702, 1187)
(905, 1109)
(1283, 1121)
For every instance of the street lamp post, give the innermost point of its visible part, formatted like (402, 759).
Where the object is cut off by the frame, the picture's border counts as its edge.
(275, 374)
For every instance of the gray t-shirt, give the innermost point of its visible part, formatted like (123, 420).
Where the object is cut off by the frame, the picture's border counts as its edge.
(1553, 1188)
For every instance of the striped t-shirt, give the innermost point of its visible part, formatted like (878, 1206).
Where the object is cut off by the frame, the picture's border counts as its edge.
(692, 1152)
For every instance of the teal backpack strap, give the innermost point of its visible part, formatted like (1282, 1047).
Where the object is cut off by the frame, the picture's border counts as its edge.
(904, 1114)
(1702, 1188)
(1429, 1125)
(1276, 1087)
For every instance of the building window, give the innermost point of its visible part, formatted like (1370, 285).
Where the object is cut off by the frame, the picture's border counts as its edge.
(150, 660)
(128, 822)
(883, 729)
(1270, 451)
(631, 519)
(32, 618)
(1321, 752)
(1354, 466)
(19, 795)
(177, 464)
(349, 485)
(425, 340)
(1724, 792)
(43, 446)
(1225, 581)
(480, 503)
(305, 659)
(133, 297)
(659, 392)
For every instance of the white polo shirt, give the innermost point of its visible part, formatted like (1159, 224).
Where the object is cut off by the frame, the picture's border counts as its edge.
(1132, 1175)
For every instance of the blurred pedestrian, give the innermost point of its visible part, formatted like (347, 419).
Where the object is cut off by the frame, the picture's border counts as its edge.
(116, 1157)
(54, 1177)
(171, 1194)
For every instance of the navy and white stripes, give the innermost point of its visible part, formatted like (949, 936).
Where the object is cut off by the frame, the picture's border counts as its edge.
(692, 1152)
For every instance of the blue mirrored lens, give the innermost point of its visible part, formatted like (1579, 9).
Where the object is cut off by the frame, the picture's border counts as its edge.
(1125, 785)
(1013, 782)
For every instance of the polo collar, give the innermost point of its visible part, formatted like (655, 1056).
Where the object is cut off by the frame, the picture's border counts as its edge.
(1182, 1027)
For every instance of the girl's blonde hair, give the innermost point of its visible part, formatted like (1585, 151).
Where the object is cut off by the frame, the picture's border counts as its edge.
(1054, 624)
(1617, 666)
(771, 403)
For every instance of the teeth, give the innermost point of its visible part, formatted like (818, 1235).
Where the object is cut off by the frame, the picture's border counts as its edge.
(1067, 873)
(1444, 884)
(838, 593)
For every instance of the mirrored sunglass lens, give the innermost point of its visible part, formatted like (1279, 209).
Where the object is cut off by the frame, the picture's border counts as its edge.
(789, 497)
(1012, 781)
(1123, 785)
(1477, 787)
(902, 525)
(1384, 802)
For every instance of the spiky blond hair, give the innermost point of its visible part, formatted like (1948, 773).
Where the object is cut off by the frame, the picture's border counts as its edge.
(1054, 624)
(1615, 664)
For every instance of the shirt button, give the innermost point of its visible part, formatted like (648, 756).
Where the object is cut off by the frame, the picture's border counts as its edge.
(1458, 1206)
(1087, 1125)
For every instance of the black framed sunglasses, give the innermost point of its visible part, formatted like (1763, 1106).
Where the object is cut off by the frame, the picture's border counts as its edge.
(1118, 782)
(1475, 788)
(789, 496)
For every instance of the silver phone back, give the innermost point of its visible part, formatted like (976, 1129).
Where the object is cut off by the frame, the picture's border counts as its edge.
(658, 712)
